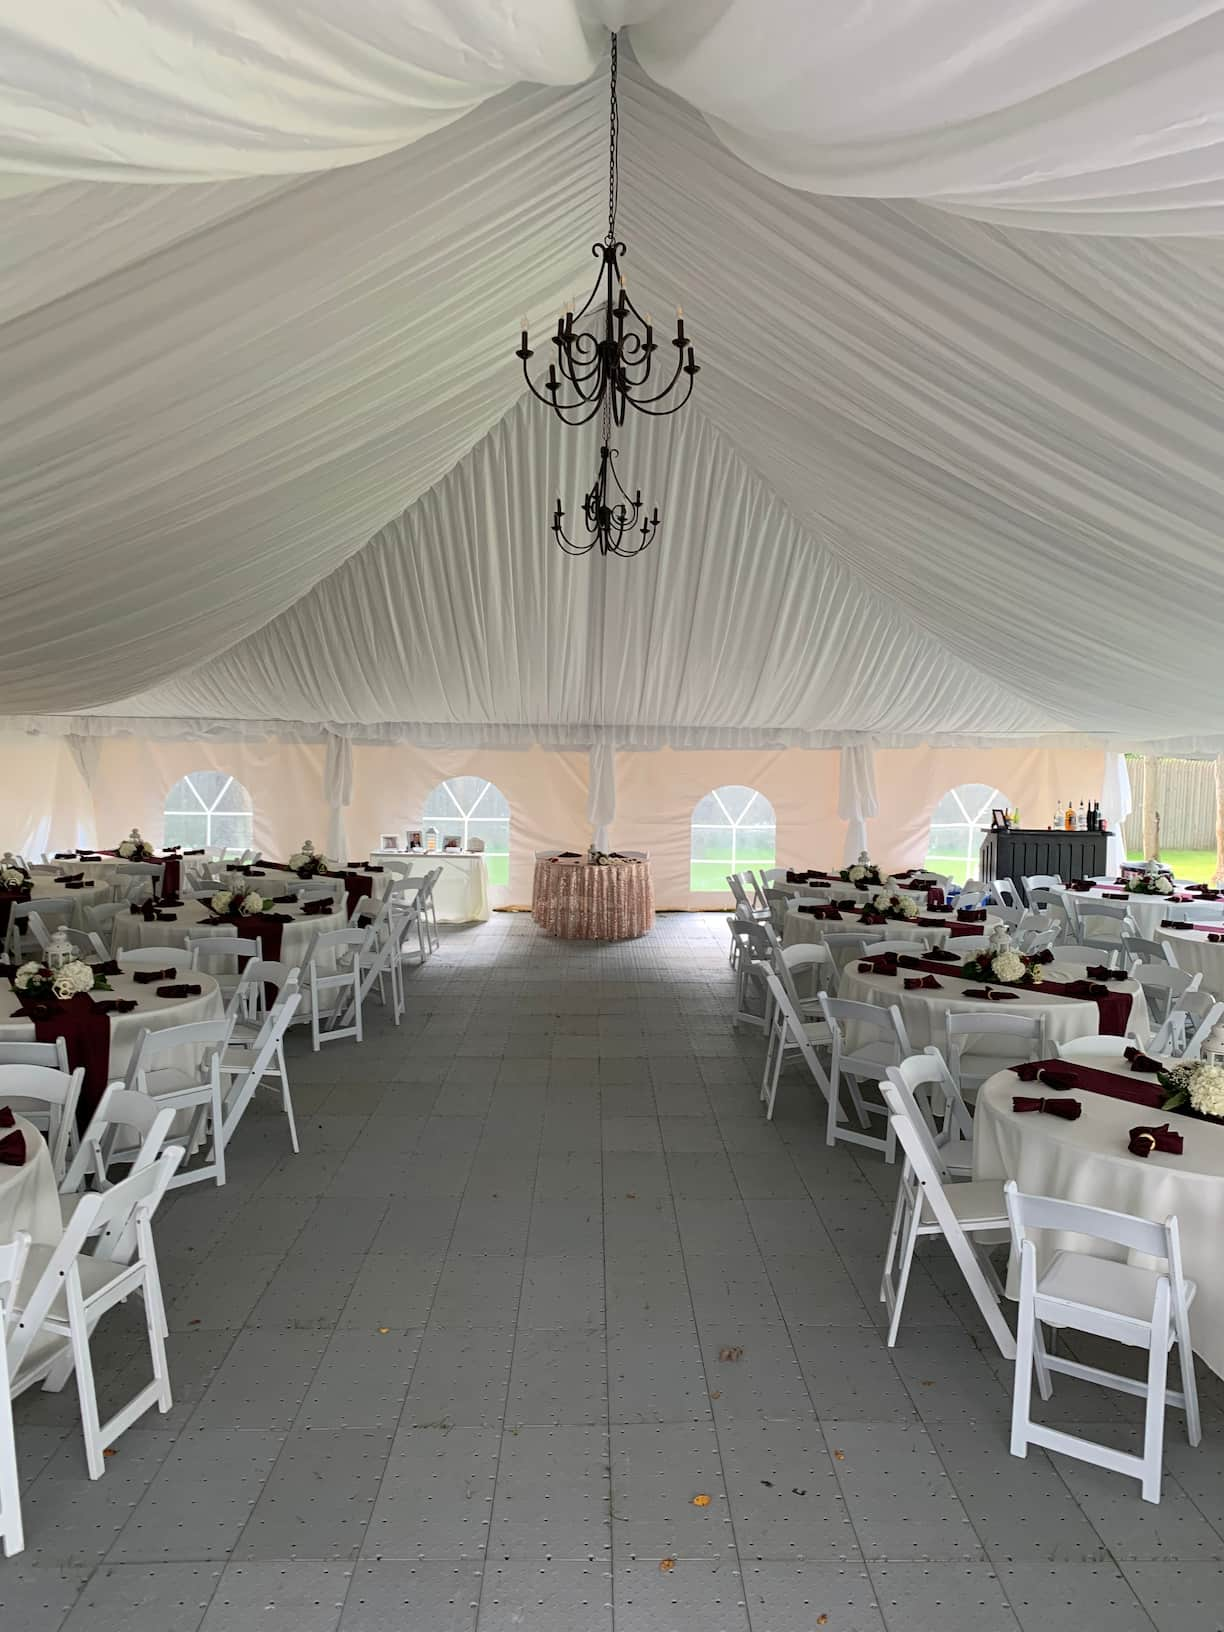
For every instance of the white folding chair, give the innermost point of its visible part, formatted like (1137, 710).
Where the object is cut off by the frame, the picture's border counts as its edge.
(1013, 917)
(53, 1054)
(1144, 1308)
(64, 1293)
(927, 1204)
(790, 1033)
(194, 1088)
(814, 960)
(1188, 1026)
(1104, 925)
(936, 1094)
(845, 945)
(1164, 986)
(757, 944)
(889, 1045)
(266, 1059)
(1089, 1048)
(339, 983)
(810, 958)
(379, 956)
(773, 875)
(1041, 881)
(323, 889)
(27, 930)
(735, 884)
(125, 1128)
(970, 899)
(46, 1097)
(1026, 1040)
(1006, 894)
(1139, 950)
(12, 1264)
(1074, 959)
(101, 919)
(136, 879)
(221, 957)
(917, 948)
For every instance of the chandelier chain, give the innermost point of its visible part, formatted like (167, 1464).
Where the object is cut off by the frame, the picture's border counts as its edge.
(613, 149)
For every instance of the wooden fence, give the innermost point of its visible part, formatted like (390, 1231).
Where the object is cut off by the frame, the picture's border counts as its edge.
(1185, 798)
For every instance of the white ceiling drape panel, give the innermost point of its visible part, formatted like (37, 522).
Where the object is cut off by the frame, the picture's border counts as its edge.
(1081, 115)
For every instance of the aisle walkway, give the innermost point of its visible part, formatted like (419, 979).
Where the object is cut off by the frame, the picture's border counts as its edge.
(541, 1277)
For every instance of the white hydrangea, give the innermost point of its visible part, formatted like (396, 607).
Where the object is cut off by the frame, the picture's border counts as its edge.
(1009, 966)
(71, 978)
(251, 902)
(1207, 1090)
(856, 873)
(1164, 885)
(907, 907)
(883, 902)
(221, 902)
(127, 849)
(12, 878)
(27, 973)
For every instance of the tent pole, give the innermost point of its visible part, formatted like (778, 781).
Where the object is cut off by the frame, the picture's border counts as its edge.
(1151, 816)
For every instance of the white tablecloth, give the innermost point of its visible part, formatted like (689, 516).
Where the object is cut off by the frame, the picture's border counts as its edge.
(29, 1199)
(1197, 955)
(461, 895)
(70, 904)
(132, 930)
(1147, 910)
(923, 1011)
(1087, 1161)
(801, 928)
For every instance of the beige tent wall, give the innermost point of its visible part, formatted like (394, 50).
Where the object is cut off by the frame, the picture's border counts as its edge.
(44, 804)
(546, 792)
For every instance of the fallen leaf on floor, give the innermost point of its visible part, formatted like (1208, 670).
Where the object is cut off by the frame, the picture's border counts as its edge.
(667, 1565)
(839, 1456)
(768, 1482)
(701, 1501)
(195, 1322)
(822, 1620)
(110, 1451)
(383, 1330)
(731, 1352)
(795, 1492)
(716, 1394)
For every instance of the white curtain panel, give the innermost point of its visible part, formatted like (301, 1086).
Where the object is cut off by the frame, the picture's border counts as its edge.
(1116, 806)
(1097, 115)
(857, 801)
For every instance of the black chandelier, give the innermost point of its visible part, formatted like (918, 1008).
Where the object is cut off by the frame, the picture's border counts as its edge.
(605, 368)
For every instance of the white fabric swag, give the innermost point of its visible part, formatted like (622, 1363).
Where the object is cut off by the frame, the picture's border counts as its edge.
(857, 801)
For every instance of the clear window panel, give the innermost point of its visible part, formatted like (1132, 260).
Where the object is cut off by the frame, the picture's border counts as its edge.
(733, 828)
(188, 831)
(232, 831)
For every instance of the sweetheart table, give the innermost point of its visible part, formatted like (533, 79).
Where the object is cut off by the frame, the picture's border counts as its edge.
(577, 900)
(1087, 1161)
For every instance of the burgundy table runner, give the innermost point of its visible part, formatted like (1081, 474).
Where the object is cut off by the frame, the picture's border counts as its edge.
(1136, 1091)
(85, 1029)
(1113, 1008)
(266, 927)
(8, 900)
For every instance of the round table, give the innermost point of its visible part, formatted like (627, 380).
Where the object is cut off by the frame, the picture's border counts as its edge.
(133, 930)
(1196, 954)
(923, 1011)
(1087, 1161)
(70, 904)
(1146, 910)
(152, 1013)
(29, 1199)
(801, 928)
(581, 901)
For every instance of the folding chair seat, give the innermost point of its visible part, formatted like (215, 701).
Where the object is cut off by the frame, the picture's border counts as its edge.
(928, 1205)
(127, 1129)
(1164, 986)
(64, 1292)
(1024, 1039)
(887, 1044)
(195, 1089)
(1126, 1302)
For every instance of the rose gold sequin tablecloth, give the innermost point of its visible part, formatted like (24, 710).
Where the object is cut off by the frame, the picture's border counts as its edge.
(580, 902)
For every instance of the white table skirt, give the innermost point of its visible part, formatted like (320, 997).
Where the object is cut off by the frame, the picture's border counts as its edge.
(131, 930)
(923, 1011)
(1197, 955)
(801, 929)
(70, 904)
(29, 1199)
(153, 1014)
(1148, 910)
(1087, 1161)
(461, 895)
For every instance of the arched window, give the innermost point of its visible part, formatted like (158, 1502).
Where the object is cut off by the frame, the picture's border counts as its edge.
(468, 807)
(733, 828)
(956, 828)
(208, 807)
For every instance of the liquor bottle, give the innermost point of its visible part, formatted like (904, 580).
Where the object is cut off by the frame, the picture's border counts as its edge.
(1069, 817)
(1081, 819)
(1094, 817)
(1059, 819)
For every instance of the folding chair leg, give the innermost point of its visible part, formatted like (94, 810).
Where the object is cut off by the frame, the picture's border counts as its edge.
(11, 1533)
(1185, 1357)
(287, 1107)
(909, 1242)
(894, 1236)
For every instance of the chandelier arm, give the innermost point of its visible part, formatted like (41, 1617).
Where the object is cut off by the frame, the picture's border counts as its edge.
(662, 413)
(643, 404)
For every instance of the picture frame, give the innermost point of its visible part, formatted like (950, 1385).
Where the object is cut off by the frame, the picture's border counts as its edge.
(414, 839)
(389, 841)
(452, 841)
(998, 818)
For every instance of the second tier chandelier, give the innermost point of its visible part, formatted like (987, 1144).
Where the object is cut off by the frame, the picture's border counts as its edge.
(605, 366)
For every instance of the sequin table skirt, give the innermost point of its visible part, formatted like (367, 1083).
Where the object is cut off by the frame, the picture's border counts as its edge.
(579, 902)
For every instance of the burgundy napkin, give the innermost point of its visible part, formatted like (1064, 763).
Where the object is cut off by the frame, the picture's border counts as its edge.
(1044, 956)
(847, 906)
(866, 917)
(971, 915)
(883, 967)
(1053, 1076)
(990, 994)
(71, 878)
(13, 1149)
(1084, 988)
(915, 983)
(88, 855)
(939, 954)
(313, 909)
(907, 960)
(1115, 895)
(817, 909)
(110, 967)
(1068, 1109)
(1139, 1061)
(369, 867)
(77, 884)
(150, 977)
(1143, 1141)
(65, 855)
(7, 1119)
(1080, 884)
(115, 1005)
(284, 900)
(1102, 971)
(181, 990)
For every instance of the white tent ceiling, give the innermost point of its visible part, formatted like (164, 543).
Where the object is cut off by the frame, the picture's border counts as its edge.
(266, 453)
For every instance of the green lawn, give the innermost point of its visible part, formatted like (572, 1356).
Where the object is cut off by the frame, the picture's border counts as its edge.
(1197, 865)
(711, 876)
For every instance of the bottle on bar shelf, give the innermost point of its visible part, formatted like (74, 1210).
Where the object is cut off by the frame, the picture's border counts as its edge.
(1081, 819)
(1069, 817)
(1059, 819)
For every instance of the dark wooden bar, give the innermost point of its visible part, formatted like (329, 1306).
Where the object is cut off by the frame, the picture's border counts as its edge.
(1020, 852)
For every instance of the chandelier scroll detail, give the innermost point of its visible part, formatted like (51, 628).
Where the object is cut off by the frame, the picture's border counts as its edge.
(606, 363)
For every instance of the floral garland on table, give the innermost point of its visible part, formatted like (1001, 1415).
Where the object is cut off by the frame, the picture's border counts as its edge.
(864, 871)
(308, 862)
(39, 982)
(901, 907)
(134, 848)
(1151, 881)
(234, 904)
(1197, 1087)
(1000, 961)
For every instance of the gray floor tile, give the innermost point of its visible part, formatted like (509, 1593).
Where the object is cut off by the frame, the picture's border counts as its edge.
(560, 1596)
(784, 1596)
(436, 1495)
(784, 1495)
(399, 1597)
(279, 1597)
(900, 1499)
(202, 1497)
(655, 1374)
(145, 1598)
(947, 1598)
(552, 1494)
(318, 1499)
(262, 1381)
(361, 1380)
(697, 1595)
(657, 1472)
(73, 1520)
(475, 1291)
(1179, 1597)
(559, 1374)
(1070, 1597)
(460, 1378)
(393, 1290)
(38, 1597)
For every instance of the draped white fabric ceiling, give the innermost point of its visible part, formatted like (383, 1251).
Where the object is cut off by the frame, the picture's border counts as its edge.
(953, 465)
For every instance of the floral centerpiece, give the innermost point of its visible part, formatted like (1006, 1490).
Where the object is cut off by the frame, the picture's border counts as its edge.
(134, 848)
(39, 982)
(598, 858)
(864, 871)
(892, 905)
(1151, 881)
(13, 877)
(1196, 1088)
(308, 862)
(999, 960)
(235, 904)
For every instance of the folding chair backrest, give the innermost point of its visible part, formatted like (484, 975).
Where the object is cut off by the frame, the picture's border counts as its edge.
(919, 1072)
(968, 899)
(201, 947)
(960, 1025)
(1191, 1020)
(913, 949)
(736, 886)
(1005, 893)
(844, 1011)
(151, 1046)
(1138, 1235)
(153, 957)
(1139, 950)
(917, 1140)
(44, 1089)
(53, 1054)
(793, 1023)
(12, 1262)
(851, 945)
(119, 1109)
